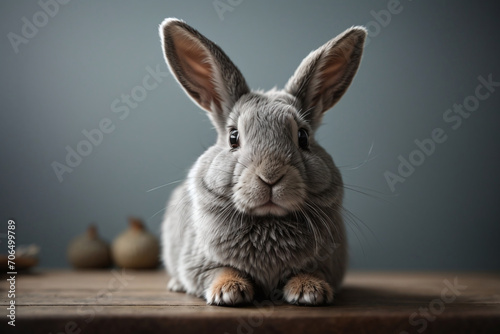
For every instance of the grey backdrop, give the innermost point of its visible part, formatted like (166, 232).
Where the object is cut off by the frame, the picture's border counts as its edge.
(71, 74)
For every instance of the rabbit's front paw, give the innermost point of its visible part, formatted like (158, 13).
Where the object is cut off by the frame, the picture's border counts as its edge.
(229, 288)
(306, 289)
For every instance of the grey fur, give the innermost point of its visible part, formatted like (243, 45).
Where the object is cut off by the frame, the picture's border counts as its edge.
(215, 219)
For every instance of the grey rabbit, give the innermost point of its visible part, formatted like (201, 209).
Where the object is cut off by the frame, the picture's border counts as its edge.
(260, 211)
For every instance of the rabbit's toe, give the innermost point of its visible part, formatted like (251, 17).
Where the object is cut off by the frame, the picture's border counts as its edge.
(229, 288)
(305, 289)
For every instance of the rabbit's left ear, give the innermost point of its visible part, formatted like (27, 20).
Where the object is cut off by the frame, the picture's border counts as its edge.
(204, 71)
(326, 73)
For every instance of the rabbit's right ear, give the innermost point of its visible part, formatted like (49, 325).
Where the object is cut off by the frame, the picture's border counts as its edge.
(204, 71)
(326, 73)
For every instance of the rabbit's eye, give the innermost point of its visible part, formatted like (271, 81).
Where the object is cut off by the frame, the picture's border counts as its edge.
(303, 139)
(234, 138)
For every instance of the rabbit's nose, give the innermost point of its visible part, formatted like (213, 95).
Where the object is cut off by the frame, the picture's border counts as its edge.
(271, 180)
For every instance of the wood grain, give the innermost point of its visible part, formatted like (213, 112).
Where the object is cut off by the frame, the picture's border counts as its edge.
(112, 301)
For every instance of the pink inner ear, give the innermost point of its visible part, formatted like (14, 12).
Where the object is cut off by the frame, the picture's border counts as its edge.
(333, 70)
(197, 69)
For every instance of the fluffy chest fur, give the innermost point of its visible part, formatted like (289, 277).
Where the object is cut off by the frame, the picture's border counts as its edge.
(266, 248)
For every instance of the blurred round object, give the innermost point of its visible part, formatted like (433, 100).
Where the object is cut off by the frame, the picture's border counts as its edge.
(25, 258)
(136, 248)
(88, 251)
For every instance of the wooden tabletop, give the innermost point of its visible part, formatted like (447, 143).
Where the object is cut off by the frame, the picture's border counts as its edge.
(116, 301)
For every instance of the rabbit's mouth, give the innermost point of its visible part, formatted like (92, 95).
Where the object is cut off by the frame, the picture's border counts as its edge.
(257, 194)
(269, 208)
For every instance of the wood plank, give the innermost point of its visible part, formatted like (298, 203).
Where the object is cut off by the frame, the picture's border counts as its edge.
(212, 319)
(112, 301)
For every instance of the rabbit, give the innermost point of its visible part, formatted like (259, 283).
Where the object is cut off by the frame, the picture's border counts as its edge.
(259, 214)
